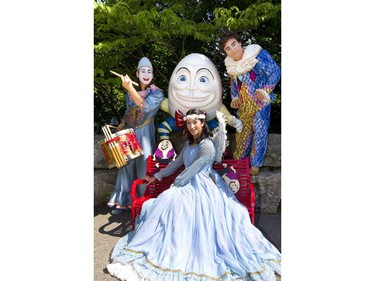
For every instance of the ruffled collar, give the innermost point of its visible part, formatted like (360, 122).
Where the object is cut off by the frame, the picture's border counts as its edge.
(248, 61)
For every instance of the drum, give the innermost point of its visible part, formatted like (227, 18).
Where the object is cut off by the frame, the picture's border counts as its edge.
(119, 147)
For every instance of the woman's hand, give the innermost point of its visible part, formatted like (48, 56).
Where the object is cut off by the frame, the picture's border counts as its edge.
(126, 82)
(149, 179)
(121, 125)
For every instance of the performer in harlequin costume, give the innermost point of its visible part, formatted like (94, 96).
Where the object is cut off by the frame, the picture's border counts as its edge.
(254, 75)
(195, 82)
(141, 108)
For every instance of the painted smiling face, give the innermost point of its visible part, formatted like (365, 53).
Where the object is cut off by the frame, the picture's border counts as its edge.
(195, 83)
(145, 75)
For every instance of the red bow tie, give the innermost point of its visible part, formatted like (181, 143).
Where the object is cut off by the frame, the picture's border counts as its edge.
(179, 118)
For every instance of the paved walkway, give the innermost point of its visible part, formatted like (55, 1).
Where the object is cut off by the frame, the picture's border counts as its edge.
(109, 229)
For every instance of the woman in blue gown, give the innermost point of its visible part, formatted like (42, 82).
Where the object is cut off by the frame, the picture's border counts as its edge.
(196, 230)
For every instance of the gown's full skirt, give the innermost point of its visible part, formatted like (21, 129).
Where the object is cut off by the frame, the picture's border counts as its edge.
(196, 232)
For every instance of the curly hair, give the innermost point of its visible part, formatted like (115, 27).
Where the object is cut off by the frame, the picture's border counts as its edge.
(228, 35)
(205, 130)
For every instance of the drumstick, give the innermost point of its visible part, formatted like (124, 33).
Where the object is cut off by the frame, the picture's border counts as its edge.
(107, 138)
(119, 75)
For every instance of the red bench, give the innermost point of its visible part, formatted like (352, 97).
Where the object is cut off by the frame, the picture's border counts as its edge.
(246, 193)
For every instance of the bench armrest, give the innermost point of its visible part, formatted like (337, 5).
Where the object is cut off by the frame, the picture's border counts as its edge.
(133, 191)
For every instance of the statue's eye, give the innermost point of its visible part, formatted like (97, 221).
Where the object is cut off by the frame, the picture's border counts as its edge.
(182, 78)
(203, 79)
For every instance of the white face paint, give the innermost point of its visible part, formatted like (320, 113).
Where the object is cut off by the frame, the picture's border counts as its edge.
(145, 75)
(195, 83)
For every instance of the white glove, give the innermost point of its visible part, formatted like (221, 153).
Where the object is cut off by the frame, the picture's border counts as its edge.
(236, 123)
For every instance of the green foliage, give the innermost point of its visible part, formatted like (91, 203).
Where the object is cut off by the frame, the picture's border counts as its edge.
(166, 31)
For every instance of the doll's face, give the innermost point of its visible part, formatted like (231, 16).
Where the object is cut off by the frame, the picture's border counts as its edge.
(195, 83)
(234, 185)
(165, 144)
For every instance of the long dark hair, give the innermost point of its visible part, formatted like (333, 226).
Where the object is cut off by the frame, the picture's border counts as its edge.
(205, 130)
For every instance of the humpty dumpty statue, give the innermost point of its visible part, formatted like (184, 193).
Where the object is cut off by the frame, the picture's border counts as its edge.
(194, 83)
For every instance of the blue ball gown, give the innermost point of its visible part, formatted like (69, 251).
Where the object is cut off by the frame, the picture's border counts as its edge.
(196, 230)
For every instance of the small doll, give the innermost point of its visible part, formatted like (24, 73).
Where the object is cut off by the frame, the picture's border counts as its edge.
(231, 178)
(164, 153)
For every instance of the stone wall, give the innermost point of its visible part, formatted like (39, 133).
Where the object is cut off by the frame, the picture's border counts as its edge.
(267, 183)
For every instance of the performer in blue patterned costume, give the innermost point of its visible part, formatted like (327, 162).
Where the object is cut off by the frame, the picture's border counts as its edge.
(141, 107)
(196, 230)
(254, 75)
